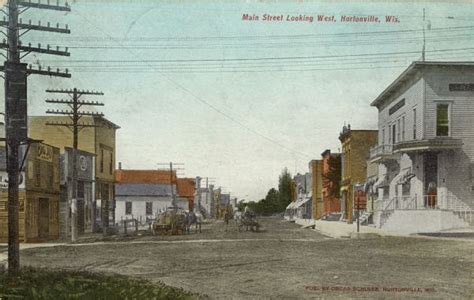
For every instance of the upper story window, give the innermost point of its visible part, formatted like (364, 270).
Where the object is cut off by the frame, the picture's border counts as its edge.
(403, 128)
(414, 123)
(398, 130)
(442, 119)
(101, 160)
(111, 164)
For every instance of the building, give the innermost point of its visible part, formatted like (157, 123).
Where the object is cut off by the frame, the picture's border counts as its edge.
(356, 146)
(38, 195)
(315, 168)
(303, 205)
(186, 188)
(142, 194)
(425, 151)
(87, 213)
(99, 140)
(331, 178)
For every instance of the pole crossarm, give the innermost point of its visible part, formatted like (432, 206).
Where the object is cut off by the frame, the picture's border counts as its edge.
(62, 101)
(49, 72)
(65, 124)
(38, 49)
(39, 5)
(39, 27)
(70, 91)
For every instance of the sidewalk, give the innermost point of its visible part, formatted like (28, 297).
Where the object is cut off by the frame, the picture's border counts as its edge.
(338, 229)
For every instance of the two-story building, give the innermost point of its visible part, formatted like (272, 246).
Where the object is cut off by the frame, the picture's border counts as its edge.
(98, 140)
(315, 169)
(39, 193)
(331, 177)
(356, 146)
(425, 148)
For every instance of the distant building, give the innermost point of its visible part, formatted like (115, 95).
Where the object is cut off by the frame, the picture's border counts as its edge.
(186, 188)
(99, 140)
(142, 194)
(315, 167)
(425, 148)
(331, 176)
(38, 195)
(356, 146)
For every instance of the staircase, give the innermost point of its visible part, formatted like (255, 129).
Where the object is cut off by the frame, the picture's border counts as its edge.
(364, 217)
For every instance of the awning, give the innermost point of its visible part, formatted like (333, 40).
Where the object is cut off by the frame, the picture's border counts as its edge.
(404, 176)
(291, 205)
(381, 182)
(301, 202)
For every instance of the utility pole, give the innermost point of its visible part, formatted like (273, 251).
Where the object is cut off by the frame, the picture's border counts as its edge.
(424, 40)
(16, 102)
(173, 194)
(75, 114)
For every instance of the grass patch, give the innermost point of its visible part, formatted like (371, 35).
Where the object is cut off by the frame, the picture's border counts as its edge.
(48, 284)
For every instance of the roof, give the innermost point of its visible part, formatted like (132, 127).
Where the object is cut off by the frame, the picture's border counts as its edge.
(185, 187)
(141, 189)
(410, 72)
(145, 176)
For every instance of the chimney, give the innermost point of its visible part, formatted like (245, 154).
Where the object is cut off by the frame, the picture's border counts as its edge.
(120, 165)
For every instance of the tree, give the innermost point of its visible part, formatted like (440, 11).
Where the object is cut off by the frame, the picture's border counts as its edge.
(285, 185)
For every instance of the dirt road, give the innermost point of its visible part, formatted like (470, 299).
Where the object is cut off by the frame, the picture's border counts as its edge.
(283, 261)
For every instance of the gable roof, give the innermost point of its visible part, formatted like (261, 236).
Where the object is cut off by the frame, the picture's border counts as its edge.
(143, 189)
(145, 176)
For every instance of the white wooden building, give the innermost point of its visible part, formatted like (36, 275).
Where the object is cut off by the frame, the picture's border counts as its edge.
(425, 150)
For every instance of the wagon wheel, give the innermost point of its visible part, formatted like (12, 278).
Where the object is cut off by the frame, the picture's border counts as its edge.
(257, 227)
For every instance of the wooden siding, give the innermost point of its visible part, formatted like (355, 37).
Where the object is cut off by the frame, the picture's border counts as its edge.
(462, 104)
(413, 96)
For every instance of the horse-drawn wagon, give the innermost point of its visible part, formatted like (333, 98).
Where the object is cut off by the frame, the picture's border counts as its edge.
(170, 222)
(249, 221)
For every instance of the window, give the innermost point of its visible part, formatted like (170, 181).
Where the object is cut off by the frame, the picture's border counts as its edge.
(128, 208)
(101, 160)
(442, 119)
(394, 129)
(38, 173)
(111, 165)
(80, 189)
(383, 136)
(149, 208)
(403, 128)
(50, 176)
(398, 130)
(414, 123)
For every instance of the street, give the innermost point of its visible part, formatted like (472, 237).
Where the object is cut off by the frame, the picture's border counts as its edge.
(281, 261)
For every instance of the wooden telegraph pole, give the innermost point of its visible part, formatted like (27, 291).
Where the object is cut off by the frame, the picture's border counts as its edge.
(75, 114)
(16, 101)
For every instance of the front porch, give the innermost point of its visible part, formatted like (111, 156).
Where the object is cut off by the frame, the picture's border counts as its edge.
(424, 214)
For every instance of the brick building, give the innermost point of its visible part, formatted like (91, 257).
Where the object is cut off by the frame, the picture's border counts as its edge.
(315, 168)
(331, 175)
(356, 146)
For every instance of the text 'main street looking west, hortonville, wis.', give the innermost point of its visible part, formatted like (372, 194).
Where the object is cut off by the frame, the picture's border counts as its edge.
(319, 18)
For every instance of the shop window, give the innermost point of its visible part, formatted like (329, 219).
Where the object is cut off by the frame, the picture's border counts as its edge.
(149, 208)
(442, 119)
(128, 208)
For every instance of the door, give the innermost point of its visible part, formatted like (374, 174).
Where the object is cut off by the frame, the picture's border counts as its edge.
(431, 179)
(43, 226)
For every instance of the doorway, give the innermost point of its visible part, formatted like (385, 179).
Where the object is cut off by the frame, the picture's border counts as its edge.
(430, 169)
(43, 226)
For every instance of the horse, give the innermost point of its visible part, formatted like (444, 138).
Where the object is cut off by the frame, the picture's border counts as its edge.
(193, 218)
(237, 217)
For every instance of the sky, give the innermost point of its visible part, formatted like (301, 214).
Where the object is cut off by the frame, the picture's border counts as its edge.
(232, 99)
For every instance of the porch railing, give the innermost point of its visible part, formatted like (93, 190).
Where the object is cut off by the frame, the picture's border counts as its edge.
(380, 150)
